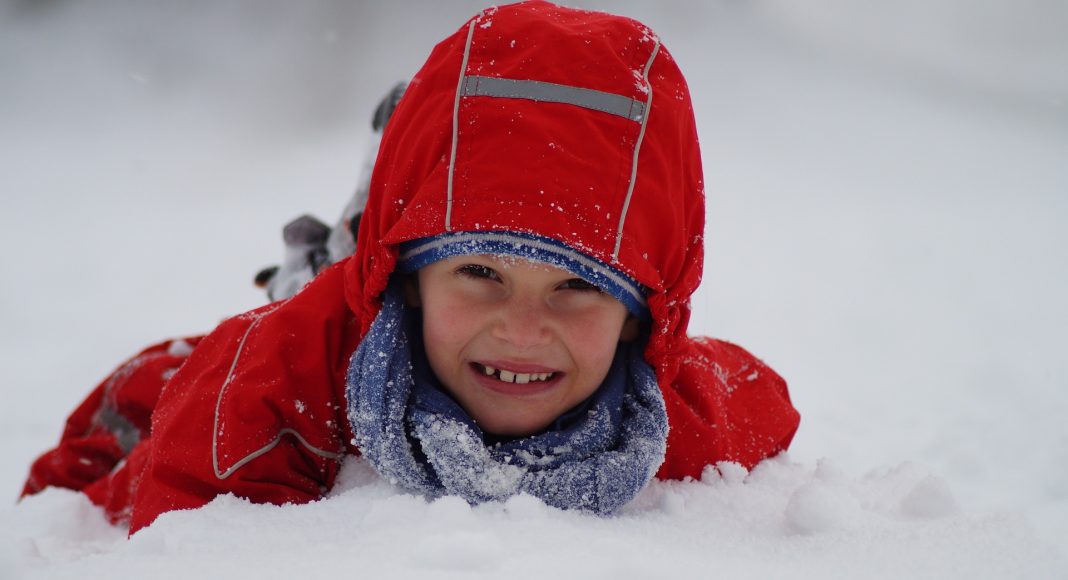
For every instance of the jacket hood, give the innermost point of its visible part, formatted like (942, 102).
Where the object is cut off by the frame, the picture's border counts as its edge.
(561, 123)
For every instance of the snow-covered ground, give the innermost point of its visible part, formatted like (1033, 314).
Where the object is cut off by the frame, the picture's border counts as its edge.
(888, 200)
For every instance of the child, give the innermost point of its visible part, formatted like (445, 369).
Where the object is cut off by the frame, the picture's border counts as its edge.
(513, 318)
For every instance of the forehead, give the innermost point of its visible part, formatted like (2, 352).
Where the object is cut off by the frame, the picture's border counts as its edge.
(508, 252)
(515, 265)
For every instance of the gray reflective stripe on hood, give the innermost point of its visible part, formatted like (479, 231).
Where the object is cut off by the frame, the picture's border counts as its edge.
(637, 148)
(611, 103)
(277, 438)
(456, 122)
(541, 91)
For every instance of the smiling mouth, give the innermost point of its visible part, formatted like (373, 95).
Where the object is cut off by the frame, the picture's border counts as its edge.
(507, 376)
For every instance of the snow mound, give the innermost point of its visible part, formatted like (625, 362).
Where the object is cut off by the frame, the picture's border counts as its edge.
(783, 519)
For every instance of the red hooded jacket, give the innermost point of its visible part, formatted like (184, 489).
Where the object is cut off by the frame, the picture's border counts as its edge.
(531, 118)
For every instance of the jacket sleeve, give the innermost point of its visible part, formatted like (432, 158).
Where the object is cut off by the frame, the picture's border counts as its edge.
(110, 422)
(724, 405)
(256, 411)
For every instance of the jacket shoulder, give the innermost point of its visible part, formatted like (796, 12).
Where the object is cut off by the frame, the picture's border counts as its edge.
(256, 409)
(724, 405)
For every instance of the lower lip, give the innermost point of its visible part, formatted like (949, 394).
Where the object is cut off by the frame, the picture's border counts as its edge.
(491, 383)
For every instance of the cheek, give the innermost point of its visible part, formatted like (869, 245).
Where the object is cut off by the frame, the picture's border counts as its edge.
(595, 334)
(447, 326)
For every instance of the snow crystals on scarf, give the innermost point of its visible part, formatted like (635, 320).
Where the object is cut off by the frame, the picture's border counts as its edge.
(596, 457)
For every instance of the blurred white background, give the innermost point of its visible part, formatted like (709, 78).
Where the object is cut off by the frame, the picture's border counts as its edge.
(887, 202)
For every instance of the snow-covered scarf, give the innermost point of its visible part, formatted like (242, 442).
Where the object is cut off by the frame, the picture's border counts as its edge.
(596, 457)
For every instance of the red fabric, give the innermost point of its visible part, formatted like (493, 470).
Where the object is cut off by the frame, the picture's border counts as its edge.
(258, 409)
(258, 380)
(89, 448)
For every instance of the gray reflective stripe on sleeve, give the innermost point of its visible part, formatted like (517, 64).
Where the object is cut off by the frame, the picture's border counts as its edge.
(108, 416)
(637, 148)
(126, 434)
(278, 437)
(272, 445)
(611, 103)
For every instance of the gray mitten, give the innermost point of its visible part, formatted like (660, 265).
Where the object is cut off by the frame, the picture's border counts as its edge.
(311, 245)
(305, 256)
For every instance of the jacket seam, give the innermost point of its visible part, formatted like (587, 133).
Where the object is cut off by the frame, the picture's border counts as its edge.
(277, 438)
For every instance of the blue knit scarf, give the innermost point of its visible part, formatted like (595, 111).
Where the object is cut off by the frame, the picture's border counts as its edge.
(596, 457)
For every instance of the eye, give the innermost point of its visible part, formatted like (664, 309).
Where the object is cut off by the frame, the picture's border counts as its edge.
(477, 271)
(580, 285)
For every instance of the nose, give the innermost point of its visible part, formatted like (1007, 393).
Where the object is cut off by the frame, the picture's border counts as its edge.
(523, 322)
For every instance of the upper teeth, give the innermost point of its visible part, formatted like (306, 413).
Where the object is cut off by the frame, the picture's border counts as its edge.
(513, 377)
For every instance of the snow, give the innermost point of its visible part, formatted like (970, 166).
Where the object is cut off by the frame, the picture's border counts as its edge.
(179, 348)
(782, 518)
(885, 229)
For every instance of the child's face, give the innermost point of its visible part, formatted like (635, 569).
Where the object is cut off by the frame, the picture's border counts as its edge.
(520, 320)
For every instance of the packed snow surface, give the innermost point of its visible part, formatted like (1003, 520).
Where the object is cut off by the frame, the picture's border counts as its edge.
(898, 522)
(886, 228)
